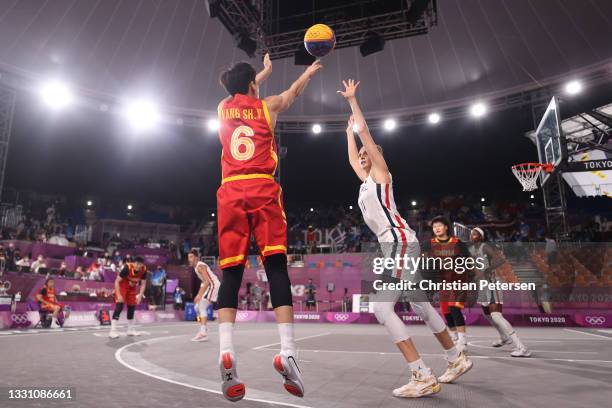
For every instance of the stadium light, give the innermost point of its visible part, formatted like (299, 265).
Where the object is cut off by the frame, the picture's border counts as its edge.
(573, 87)
(390, 124)
(89, 203)
(434, 118)
(212, 215)
(316, 128)
(478, 110)
(213, 124)
(56, 95)
(130, 207)
(350, 207)
(482, 200)
(413, 203)
(142, 114)
(532, 196)
(311, 209)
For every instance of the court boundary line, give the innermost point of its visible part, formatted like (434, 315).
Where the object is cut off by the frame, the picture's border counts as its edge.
(175, 382)
(571, 360)
(588, 334)
(298, 339)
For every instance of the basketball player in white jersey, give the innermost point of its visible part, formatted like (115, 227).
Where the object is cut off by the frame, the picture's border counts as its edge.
(207, 294)
(396, 238)
(492, 300)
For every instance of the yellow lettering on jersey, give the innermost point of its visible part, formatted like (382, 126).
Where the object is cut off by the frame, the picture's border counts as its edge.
(247, 114)
(258, 113)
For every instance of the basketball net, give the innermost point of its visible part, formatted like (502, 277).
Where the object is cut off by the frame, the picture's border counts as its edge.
(527, 174)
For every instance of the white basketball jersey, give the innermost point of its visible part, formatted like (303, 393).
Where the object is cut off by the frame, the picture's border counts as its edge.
(210, 277)
(477, 251)
(380, 213)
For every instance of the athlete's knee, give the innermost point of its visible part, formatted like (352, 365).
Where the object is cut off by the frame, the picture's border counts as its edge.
(230, 285)
(382, 310)
(450, 322)
(278, 278)
(429, 315)
(486, 310)
(457, 316)
(203, 307)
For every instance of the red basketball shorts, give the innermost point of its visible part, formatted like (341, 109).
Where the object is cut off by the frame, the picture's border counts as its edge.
(128, 292)
(245, 206)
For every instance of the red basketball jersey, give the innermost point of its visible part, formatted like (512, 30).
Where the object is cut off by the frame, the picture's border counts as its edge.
(247, 139)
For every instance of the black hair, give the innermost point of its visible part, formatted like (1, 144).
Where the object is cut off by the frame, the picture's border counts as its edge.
(237, 78)
(139, 259)
(441, 219)
(194, 252)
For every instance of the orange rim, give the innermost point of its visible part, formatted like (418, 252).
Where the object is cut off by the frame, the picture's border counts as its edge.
(529, 167)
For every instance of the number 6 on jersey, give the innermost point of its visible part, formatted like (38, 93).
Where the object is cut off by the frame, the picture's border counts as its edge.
(242, 137)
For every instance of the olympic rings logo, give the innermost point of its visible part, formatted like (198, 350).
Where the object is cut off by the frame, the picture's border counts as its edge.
(341, 317)
(20, 319)
(242, 315)
(595, 320)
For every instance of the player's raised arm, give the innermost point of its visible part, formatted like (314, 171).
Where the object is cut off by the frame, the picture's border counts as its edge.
(353, 152)
(264, 73)
(279, 103)
(379, 166)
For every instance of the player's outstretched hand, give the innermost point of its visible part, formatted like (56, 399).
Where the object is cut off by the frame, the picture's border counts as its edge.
(267, 62)
(313, 68)
(350, 124)
(350, 88)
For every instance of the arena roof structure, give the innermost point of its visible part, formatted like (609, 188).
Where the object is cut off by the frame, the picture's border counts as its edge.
(492, 51)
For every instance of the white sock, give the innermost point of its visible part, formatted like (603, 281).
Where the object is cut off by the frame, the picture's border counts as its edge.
(420, 367)
(516, 340)
(504, 326)
(493, 323)
(226, 338)
(130, 324)
(453, 335)
(452, 354)
(461, 338)
(287, 339)
(203, 329)
(114, 324)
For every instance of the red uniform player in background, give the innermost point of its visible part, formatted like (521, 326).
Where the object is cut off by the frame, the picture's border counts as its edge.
(446, 246)
(250, 201)
(127, 291)
(48, 303)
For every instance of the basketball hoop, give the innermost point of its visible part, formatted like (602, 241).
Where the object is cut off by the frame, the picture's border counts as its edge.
(527, 174)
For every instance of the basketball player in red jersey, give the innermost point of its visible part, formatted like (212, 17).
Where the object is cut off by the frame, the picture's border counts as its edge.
(127, 291)
(249, 200)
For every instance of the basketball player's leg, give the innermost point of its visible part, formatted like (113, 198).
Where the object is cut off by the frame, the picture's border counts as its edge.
(233, 233)
(120, 298)
(203, 313)
(507, 331)
(422, 381)
(270, 231)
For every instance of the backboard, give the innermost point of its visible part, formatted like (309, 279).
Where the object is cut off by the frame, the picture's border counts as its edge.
(549, 138)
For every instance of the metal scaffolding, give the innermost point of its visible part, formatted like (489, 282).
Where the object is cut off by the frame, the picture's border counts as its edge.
(7, 107)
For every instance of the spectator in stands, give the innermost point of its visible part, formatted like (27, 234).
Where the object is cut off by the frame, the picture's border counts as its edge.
(78, 273)
(158, 282)
(63, 270)
(311, 290)
(21, 264)
(37, 264)
(94, 272)
(10, 257)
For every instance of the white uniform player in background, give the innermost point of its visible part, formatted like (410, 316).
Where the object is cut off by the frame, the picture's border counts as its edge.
(207, 294)
(492, 300)
(396, 238)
